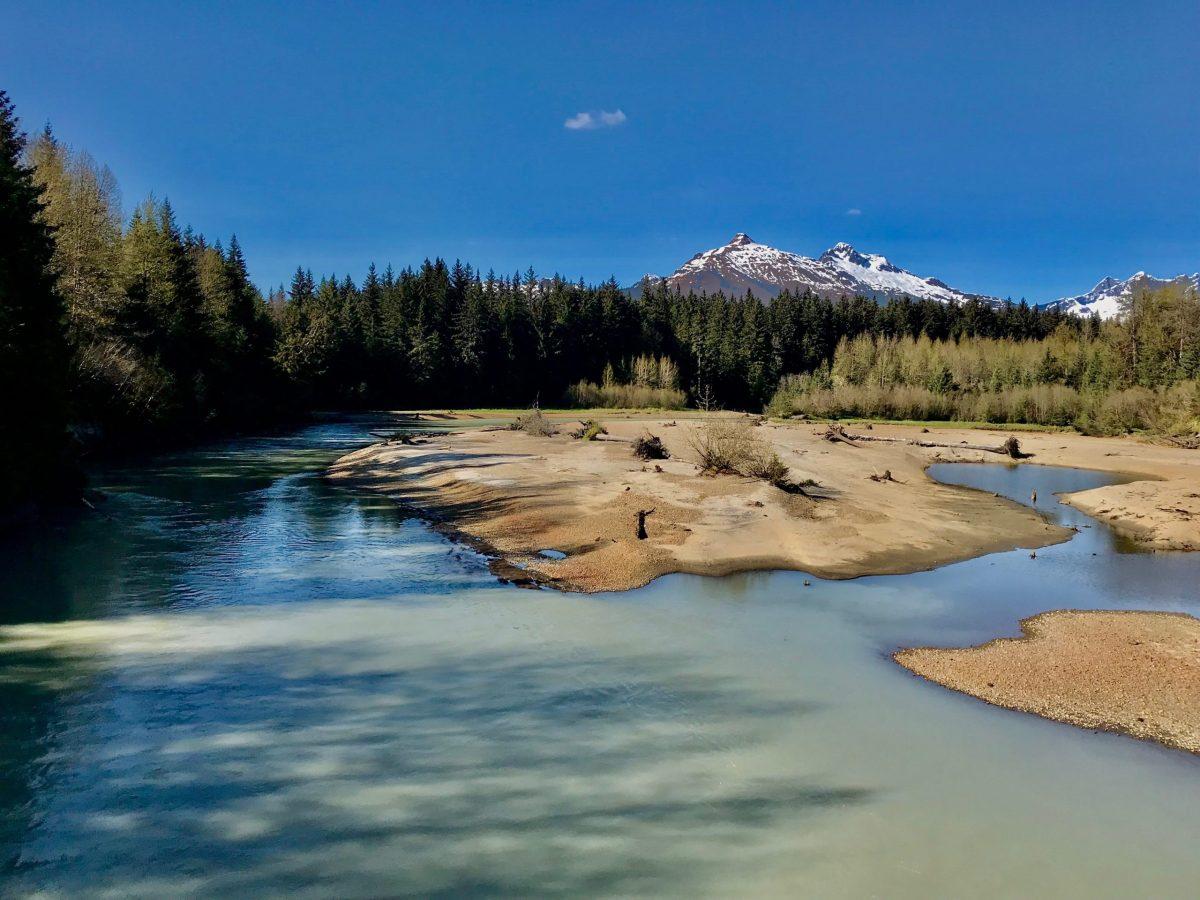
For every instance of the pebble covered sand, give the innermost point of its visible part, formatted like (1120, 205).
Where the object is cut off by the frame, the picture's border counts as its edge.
(1133, 672)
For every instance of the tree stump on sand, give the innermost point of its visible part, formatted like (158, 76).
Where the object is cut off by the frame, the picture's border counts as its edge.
(641, 523)
(886, 476)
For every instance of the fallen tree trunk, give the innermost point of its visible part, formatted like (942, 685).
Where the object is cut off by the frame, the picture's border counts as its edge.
(405, 437)
(1191, 442)
(1011, 446)
(836, 434)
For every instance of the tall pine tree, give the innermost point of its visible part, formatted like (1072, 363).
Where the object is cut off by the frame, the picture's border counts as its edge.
(34, 461)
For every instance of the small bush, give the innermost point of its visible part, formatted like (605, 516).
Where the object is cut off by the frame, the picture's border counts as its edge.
(721, 445)
(533, 422)
(765, 464)
(650, 446)
(732, 448)
(1012, 447)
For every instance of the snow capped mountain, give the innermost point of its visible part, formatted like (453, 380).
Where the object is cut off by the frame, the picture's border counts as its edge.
(1105, 298)
(880, 278)
(746, 265)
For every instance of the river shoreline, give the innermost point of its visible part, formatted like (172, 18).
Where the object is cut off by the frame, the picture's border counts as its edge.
(873, 510)
(1132, 672)
(513, 495)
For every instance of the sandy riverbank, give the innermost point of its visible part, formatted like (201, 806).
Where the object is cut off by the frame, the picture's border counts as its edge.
(1133, 672)
(515, 494)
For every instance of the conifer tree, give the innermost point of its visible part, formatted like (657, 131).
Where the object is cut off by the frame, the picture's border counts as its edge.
(161, 314)
(34, 462)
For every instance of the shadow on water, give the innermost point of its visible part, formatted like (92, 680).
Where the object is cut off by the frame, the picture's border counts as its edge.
(260, 766)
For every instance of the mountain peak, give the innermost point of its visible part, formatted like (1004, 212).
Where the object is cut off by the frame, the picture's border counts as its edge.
(842, 252)
(746, 265)
(842, 271)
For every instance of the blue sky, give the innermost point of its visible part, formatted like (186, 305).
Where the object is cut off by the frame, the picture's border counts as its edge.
(1009, 148)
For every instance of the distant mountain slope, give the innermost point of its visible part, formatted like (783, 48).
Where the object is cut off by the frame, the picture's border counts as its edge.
(746, 265)
(1105, 298)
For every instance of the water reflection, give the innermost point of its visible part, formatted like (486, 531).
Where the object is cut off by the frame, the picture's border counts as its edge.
(249, 521)
(1041, 487)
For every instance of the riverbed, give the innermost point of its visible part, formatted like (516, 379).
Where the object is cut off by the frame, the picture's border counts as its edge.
(237, 678)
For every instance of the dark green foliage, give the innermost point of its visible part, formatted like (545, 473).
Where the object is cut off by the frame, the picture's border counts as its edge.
(34, 460)
(941, 380)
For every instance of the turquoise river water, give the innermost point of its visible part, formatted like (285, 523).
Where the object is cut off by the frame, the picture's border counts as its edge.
(239, 680)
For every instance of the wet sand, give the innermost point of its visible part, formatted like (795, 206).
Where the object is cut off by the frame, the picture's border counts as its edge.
(1158, 515)
(1137, 673)
(514, 495)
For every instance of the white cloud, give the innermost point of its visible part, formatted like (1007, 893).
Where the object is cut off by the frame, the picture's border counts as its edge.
(854, 211)
(589, 121)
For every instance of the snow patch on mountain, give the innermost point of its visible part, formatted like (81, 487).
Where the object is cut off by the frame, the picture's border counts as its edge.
(743, 265)
(882, 277)
(1106, 298)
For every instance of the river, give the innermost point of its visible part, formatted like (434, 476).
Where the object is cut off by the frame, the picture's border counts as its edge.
(236, 679)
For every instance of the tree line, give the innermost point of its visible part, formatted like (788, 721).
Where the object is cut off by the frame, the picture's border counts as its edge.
(1139, 373)
(442, 335)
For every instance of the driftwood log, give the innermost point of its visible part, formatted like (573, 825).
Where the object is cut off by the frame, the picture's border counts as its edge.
(1010, 447)
(1187, 442)
(404, 437)
(613, 439)
(836, 434)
